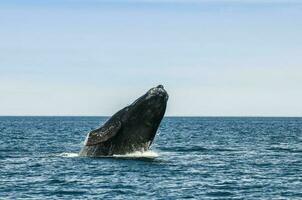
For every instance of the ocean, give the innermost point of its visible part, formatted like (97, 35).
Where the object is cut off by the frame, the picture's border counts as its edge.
(191, 158)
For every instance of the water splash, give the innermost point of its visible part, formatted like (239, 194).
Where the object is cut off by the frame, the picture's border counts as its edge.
(136, 154)
(68, 155)
(139, 154)
(86, 139)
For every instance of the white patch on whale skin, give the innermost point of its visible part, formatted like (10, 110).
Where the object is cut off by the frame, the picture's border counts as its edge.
(154, 91)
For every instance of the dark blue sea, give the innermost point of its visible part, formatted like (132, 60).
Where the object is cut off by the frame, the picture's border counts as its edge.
(191, 158)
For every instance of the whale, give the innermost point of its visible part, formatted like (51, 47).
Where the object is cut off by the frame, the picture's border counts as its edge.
(131, 129)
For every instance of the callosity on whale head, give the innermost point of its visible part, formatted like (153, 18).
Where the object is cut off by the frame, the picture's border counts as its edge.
(131, 129)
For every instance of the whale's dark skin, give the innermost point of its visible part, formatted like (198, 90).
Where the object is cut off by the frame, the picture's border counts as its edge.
(131, 129)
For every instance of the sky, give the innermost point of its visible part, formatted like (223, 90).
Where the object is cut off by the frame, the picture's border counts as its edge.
(94, 57)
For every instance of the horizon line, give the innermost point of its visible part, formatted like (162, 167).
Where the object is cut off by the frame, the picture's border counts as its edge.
(184, 116)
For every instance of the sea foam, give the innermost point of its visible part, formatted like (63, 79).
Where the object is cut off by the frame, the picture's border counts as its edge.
(136, 154)
(68, 155)
(139, 154)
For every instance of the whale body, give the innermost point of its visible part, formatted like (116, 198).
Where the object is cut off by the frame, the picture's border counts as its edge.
(131, 129)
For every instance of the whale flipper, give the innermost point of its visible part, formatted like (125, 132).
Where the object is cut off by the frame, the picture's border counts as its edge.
(109, 130)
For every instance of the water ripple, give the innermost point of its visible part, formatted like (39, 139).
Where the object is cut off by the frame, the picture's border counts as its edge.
(192, 158)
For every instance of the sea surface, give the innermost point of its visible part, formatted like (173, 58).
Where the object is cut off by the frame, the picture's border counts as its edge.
(191, 158)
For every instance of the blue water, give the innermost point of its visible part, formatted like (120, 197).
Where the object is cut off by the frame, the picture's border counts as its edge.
(198, 158)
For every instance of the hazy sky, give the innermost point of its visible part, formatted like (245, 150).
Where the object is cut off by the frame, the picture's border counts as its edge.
(93, 57)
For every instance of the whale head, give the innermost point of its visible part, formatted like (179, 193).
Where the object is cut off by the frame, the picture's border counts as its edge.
(151, 106)
(149, 109)
(143, 117)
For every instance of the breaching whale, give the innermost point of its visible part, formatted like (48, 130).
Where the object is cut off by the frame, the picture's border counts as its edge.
(131, 129)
